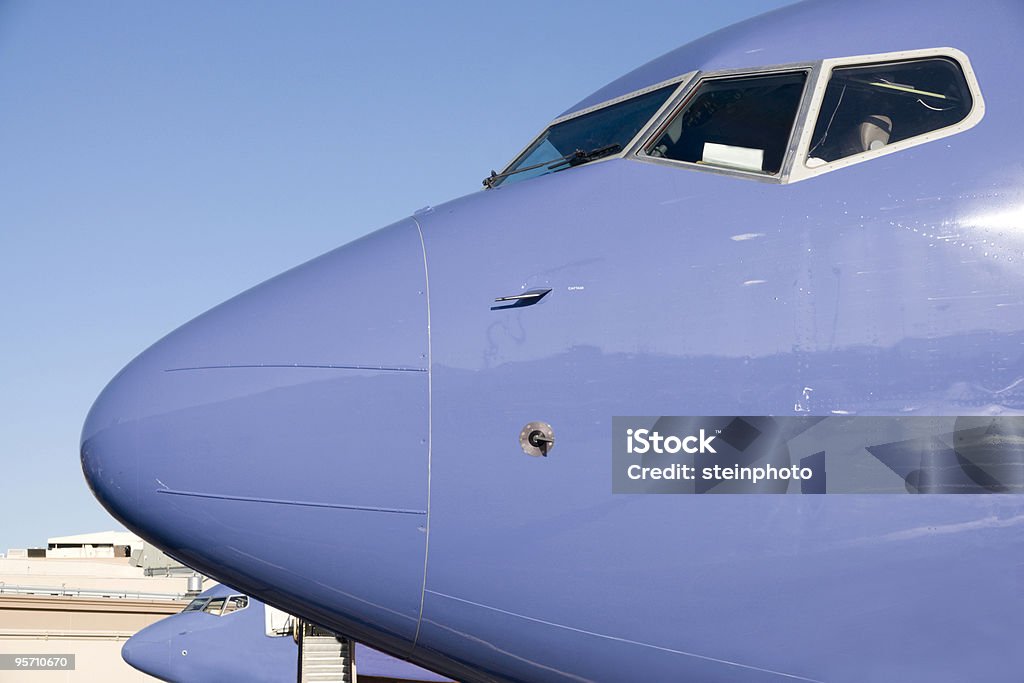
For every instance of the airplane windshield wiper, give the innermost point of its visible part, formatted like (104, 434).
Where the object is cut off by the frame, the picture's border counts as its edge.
(572, 159)
(580, 157)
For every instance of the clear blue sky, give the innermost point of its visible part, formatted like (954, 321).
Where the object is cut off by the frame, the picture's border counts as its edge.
(158, 158)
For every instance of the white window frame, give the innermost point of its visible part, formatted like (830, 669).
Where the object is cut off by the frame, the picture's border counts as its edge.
(799, 170)
(248, 600)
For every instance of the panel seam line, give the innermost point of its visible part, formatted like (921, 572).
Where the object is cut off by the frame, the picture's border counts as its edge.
(626, 641)
(430, 428)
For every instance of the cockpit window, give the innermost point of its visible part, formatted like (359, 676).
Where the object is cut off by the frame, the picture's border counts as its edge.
(868, 107)
(741, 123)
(196, 605)
(215, 607)
(782, 124)
(235, 603)
(218, 606)
(591, 136)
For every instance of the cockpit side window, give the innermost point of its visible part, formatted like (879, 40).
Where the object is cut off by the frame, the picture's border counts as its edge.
(868, 107)
(235, 603)
(739, 123)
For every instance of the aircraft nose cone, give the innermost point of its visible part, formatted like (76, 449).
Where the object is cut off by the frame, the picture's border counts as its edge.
(146, 655)
(258, 440)
(109, 460)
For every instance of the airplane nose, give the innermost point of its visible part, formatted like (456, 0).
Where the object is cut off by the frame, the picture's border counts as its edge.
(282, 425)
(146, 655)
(162, 650)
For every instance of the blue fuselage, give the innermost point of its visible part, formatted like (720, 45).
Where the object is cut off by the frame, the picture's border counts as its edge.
(343, 440)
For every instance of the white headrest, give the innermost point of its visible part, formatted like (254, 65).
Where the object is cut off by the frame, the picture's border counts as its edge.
(875, 132)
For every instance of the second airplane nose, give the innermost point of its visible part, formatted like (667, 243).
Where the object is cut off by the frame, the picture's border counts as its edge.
(146, 655)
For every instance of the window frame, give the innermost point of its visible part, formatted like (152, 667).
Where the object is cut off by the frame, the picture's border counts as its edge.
(683, 99)
(225, 612)
(794, 167)
(223, 601)
(682, 82)
(799, 169)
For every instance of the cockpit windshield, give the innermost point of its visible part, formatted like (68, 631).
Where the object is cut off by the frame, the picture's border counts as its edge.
(196, 605)
(584, 138)
(218, 606)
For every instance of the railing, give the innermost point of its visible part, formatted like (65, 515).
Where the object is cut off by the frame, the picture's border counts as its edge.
(58, 634)
(64, 591)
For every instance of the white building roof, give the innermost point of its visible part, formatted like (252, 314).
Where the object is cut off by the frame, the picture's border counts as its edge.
(98, 538)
